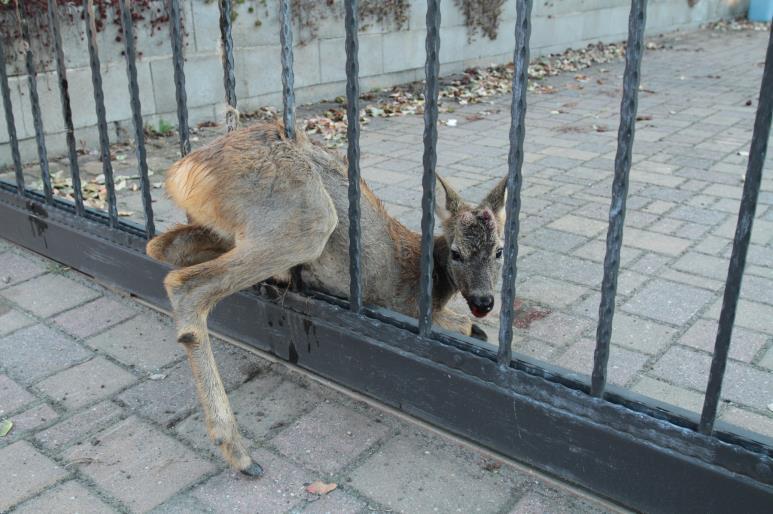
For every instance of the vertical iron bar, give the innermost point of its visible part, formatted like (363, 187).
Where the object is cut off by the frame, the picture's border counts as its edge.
(625, 136)
(288, 92)
(353, 154)
(229, 79)
(64, 95)
(175, 31)
(431, 71)
(11, 123)
(99, 102)
(743, 230)
(37, 118)
(139, 135)
(514, 177)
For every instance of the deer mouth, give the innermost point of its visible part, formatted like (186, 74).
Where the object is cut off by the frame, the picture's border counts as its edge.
(477, 311)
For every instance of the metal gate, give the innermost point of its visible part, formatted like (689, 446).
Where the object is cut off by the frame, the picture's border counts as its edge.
(608, 439)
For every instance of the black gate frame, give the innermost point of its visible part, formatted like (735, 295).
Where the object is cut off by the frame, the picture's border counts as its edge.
(637, 451)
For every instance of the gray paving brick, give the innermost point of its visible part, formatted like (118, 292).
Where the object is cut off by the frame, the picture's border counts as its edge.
(15, 268)
(137, 464)
(31, 419)
(336, 502)
(654, 242)
(144, 341)
(36, 351)
(752, 315)
(582, 226)
(86, 383)
(278, 491)
(61, 294)
(640, 334)
(706, 265)
(329, 437)
(749, 420)
(623, 364)
(414, 473)
(550, 291)
(559, 328)
(12, 320)
(668, 393)
(668, 301)
(27, 472)
(537, 502)
(12, 395)
(79, 426)
(94, 317)
(68, 497)
(743, 347)
(562, 267)
(554, 240)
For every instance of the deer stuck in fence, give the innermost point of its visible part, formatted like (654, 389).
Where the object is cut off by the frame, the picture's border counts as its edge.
(260, 205)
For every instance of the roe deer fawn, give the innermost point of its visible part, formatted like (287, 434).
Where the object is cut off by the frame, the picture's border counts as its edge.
(260, 204)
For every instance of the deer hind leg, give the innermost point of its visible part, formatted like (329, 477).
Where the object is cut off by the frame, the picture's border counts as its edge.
(187, 245)
(263, 252)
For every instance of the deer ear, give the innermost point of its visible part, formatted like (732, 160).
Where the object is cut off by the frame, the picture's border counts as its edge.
(447, 201)
(496, 199)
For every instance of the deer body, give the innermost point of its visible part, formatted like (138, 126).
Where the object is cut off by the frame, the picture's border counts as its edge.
(260, 205)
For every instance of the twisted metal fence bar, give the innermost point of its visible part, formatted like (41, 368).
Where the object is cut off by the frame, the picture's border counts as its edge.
(288, 91)
(514, 177)
(431, 71)
(178, 60)
(139, 135)
(229, 79)
(743, 231)
(353, 153)
(64, 95)
(625, 136)
(37, 119)
(99, 102)
(11, 124)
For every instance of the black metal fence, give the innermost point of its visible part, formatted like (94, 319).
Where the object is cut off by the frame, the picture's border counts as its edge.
(634, 450)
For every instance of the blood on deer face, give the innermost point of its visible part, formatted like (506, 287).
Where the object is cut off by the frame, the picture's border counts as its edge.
(474, 237)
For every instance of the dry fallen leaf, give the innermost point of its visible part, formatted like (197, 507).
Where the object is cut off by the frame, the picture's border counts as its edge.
(319, 487)
(5, 426)
(643, 117)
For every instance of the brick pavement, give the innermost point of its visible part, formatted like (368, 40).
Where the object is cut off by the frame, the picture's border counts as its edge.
(105, 420)
(689, 158)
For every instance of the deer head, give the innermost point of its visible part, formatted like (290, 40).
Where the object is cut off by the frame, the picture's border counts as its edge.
(474, 236)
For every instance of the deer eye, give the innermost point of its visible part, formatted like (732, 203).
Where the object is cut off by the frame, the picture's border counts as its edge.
(455, 255)
(499, 253)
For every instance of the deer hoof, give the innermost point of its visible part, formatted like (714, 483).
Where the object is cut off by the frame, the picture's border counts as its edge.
(478, 333)
(253, 470)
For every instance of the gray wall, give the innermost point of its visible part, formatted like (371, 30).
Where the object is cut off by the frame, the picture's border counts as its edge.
(387, 57)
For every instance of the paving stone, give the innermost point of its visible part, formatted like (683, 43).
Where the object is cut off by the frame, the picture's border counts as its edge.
(70, 497)
(759, 289)
(749, 420)
(753, 315)
(668, 301)
(559, 328)
(76, 427)
(623, 364)
(182, 505)
(12, 395)
(554, 240)
(25, 473)
(577, 225)
(536, 503)
(668, 393)
(654, 242)
(86, 383)
(329, 437)
(697, 215)
(32, 418)
(706, 265)
(279, 490)
(562, 267)
(15, 268)
(144, 341)
(262, 406)
(596, 250)
(12, 320)
(649, 264)
(766, 361)
(87, 320)
(172, 397)
(336, 502)
(61, 294)
(743, 346)
(36, 351)
(550, 291)
(639, 334)
(416, 472)
(137, 464)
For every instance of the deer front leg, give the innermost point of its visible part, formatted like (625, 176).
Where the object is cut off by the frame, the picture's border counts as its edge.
(453, 321)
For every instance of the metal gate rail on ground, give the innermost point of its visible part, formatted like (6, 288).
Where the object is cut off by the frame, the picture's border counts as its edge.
(637, 451)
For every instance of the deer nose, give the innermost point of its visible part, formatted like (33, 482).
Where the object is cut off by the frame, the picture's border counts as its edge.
(483, 303)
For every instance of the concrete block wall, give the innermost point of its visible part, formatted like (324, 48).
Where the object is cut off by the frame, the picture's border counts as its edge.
(387, 57)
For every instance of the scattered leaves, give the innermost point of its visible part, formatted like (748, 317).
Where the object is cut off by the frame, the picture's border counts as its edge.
(5, 427)
(320, 488)
(738, 24)
(644, 117)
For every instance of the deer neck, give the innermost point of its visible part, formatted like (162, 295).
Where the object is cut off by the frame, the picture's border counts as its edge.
(443, 287)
